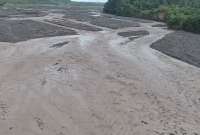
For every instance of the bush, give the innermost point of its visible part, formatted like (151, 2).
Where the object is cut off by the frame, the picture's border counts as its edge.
(178, 14)
(176, 18)
(184, 18)
(192, 24)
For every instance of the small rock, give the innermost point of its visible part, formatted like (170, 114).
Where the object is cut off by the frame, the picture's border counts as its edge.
(144, 122)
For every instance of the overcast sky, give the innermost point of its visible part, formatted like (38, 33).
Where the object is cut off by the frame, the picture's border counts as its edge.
(91, 0)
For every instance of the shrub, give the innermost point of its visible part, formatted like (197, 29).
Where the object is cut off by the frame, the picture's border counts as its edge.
(178, 14)
(176, 18)
(184, 18)
(192, 24)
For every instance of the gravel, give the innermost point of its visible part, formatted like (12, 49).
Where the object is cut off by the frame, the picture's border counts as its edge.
(102, 21)
(21, 30)
(133, 33)
(6, 13)
(181, 45)
(75, 25)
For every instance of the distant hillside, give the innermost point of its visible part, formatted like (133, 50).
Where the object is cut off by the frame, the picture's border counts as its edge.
(34, 1)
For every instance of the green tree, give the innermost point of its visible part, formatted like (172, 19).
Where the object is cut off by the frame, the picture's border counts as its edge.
(179, 14)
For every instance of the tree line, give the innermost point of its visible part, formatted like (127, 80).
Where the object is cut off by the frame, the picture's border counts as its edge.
(179, 14)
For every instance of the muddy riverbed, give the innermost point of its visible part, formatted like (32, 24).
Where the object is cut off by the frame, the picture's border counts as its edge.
(76, 71)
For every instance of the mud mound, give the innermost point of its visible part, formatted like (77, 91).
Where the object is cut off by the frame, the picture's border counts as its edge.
(133, 33)
(159, 25)
(74, 25)
(15, 31)
(181, 45)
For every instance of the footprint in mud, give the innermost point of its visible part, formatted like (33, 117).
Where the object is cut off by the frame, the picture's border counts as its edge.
(59, 67)
(62, 69)
(3, 111)
(56, 64)
(11, 128)
(40, 123)
(43, 82)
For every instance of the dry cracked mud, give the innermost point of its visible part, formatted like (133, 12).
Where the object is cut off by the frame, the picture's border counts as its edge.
(89, 84)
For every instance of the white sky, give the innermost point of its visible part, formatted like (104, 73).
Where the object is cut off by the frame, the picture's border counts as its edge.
(91, 0)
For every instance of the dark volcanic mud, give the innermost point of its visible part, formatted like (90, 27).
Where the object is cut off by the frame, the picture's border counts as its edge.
(159, 25)
(181, 45)
(15, 31)
(20, 13)
(102, 21)
(133, 33)
(138, 20)
(75, 25)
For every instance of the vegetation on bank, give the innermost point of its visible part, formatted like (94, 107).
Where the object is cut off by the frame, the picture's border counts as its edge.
(178, 14)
